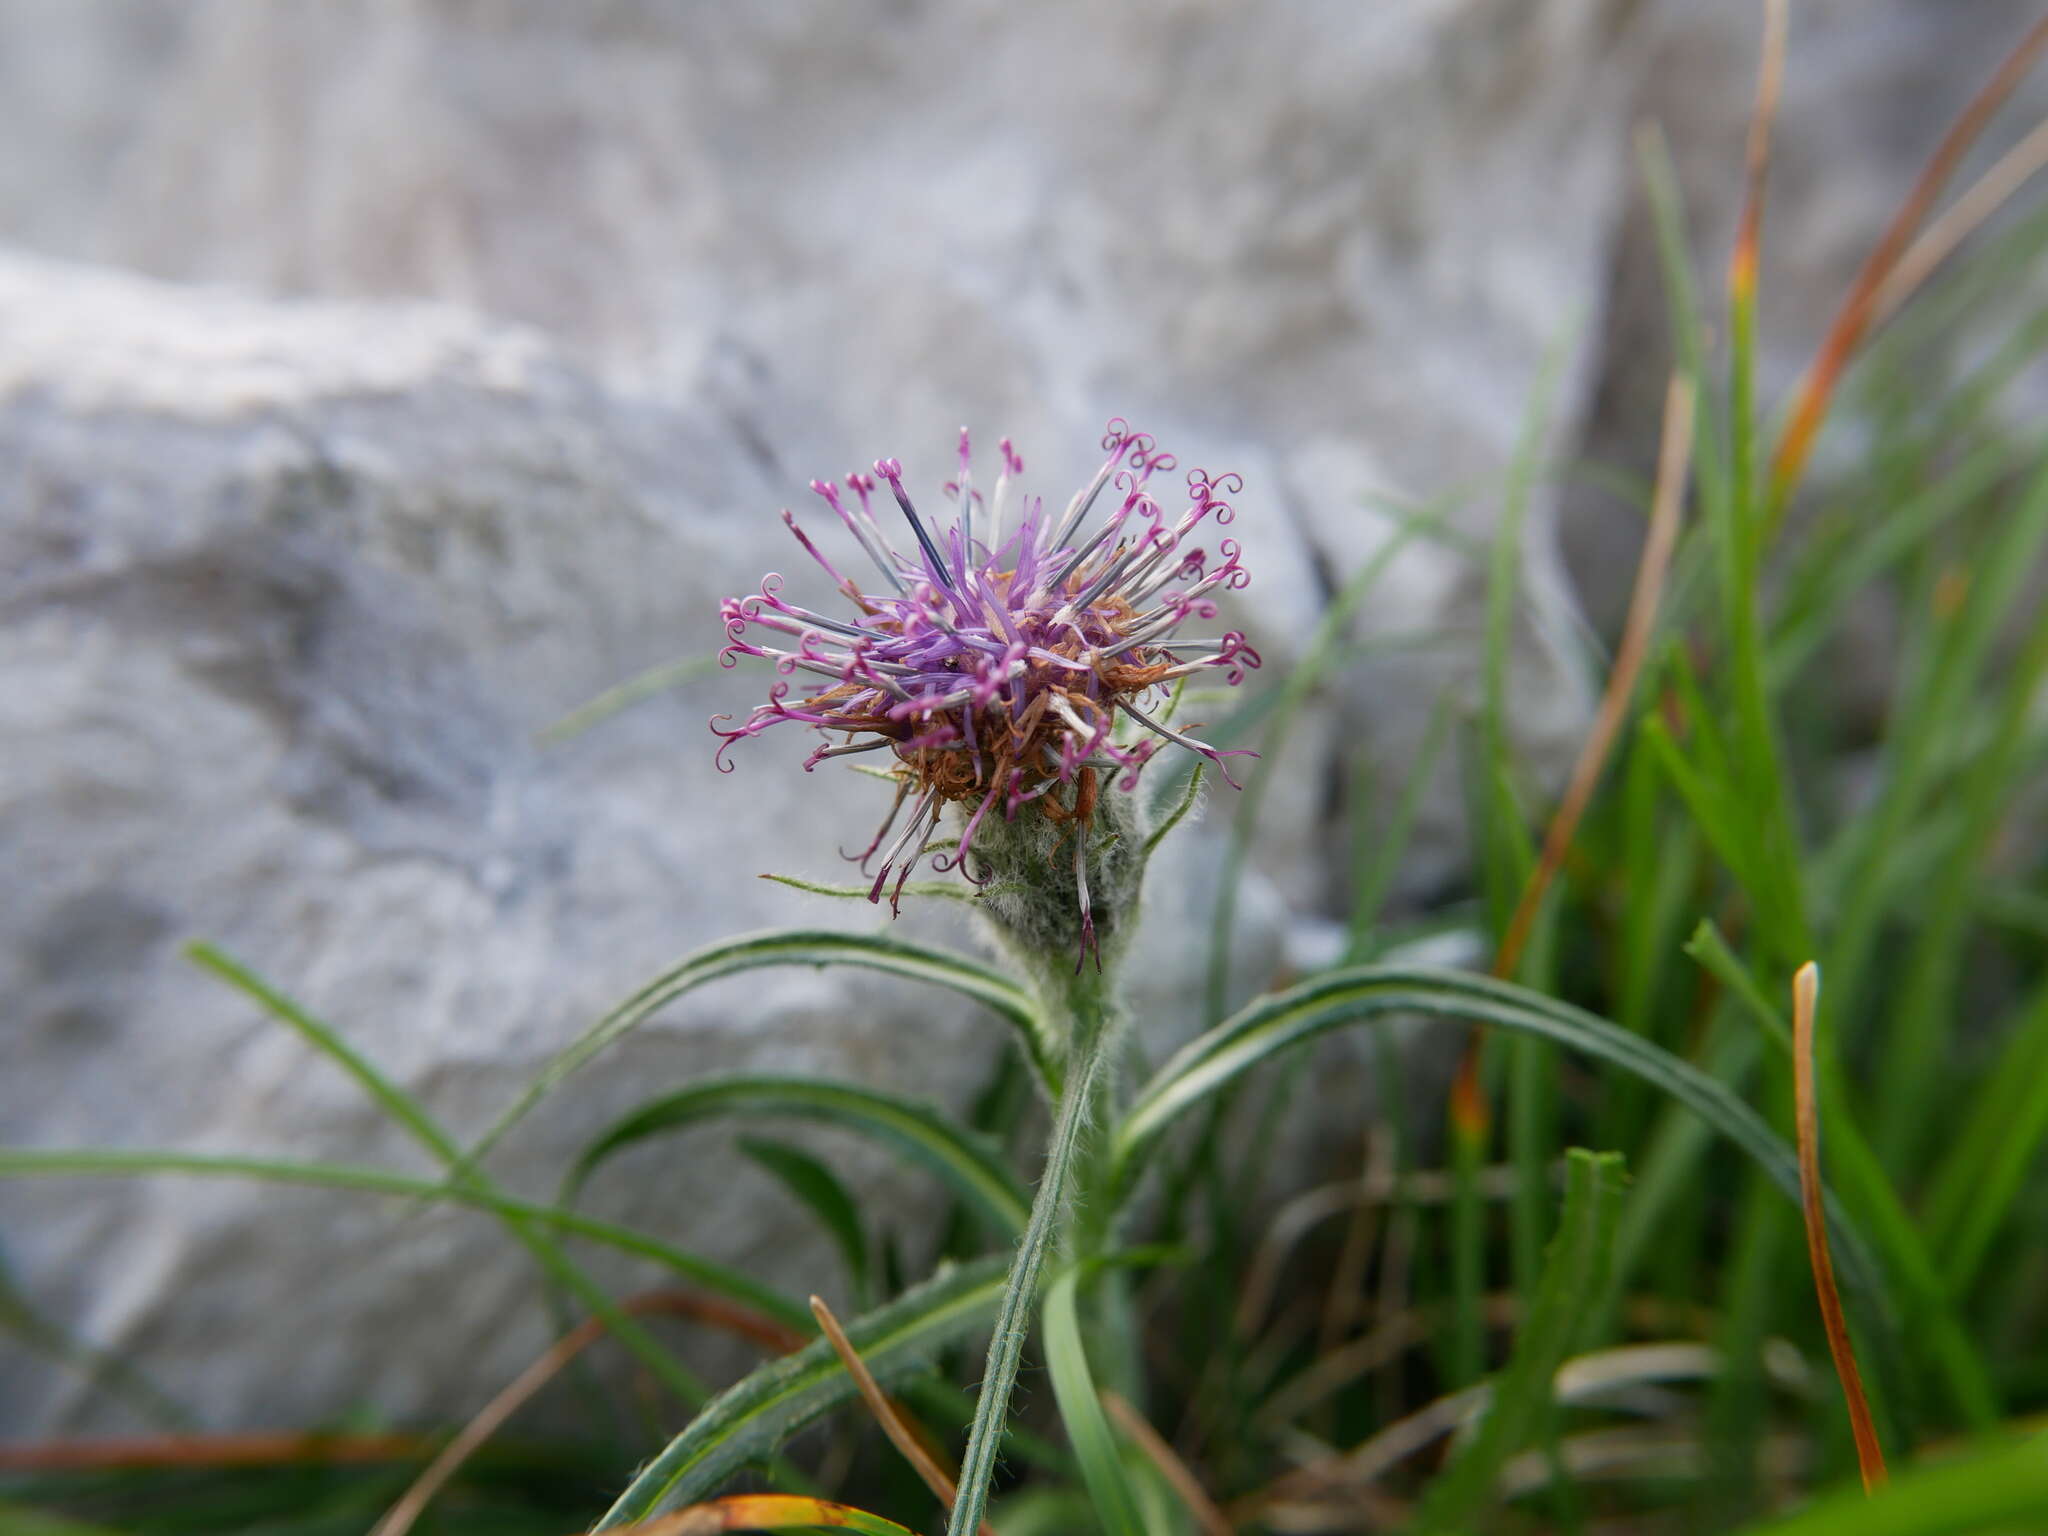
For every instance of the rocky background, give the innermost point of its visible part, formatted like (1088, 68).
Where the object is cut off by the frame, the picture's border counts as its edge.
(380, 380)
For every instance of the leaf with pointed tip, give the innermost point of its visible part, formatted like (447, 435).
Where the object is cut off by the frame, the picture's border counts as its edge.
(792, 946)
(139, 1162)
(751, 1418)
(1355, 994)
(971, 1164)
(1073, 1388)
(1577, 1265)
(818, 1189)
(945, 889)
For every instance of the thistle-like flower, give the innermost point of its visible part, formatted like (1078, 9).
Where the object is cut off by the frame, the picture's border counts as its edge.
(1006, 666)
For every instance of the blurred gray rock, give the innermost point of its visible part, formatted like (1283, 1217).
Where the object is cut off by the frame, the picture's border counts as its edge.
(293, 571)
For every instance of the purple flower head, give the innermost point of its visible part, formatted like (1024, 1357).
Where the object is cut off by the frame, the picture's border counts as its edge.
(1009, 660)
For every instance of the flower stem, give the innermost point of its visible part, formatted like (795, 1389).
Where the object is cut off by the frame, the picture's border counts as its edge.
(1089, 1046)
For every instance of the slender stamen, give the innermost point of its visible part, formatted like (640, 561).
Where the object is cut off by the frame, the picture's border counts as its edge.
(911, 834)
(964, 494)
(891, 470)
(870, 544)
(999, 503)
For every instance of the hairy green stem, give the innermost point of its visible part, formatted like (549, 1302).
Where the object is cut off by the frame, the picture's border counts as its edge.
(1090, 1044)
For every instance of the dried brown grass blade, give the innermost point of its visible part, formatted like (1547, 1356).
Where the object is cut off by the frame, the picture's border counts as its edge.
(402, 1515)
(1817, 389)
(1770, 80)
(1869, 1453)
(1178, 1477)
(885, 1412)
(1469, 1115)
(1961, 219)
(1674, 462)
(237, 1450)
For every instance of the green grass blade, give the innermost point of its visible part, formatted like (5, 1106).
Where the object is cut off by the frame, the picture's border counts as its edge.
(817, 1188)
(1715, 808)
(1186, 803)
(1868, 1191)
(1376, 875)
(750, 1419)
(128, 1162)
(1841, 573)
(17, 1520)
(1073, 1386)
(107, 1370)
(943, 890)
(411, 1114)
(388, 1096)
(1508, 852)
(1715, 955)
(634, 690)
(1091, 1020)
(970, 1164)
(1930, 724)
(2003, 1488)
(1674, 1147)
(1688, 342)
(1319, 657)
(1576, 1266)
(1911, 1083)
(793, 946)
(1973, 1191)
(1271, 1025)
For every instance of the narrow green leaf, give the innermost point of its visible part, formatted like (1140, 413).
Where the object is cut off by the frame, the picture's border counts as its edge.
(634, 690)
(1073, 1387)
(946, 890)
(817, 1188)
(1841, 573)
(1714, 806)
(1975, 1187)
(2003, 1487)
(1575, 1267)
(1319, 657)
(323, 1037)
(1090, 1019)
(1274, 1023)
(1684, 315)
(1910, 1083)
(18, 1520)
(1375, 875)
(412, 1115)
(1179, 813)
(971, 1164)
(1670, 1164)
(751, 1418)
(134, 1162)
(1712, 951)
(1871, 1195)
(108, 1370)
(793, 946)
